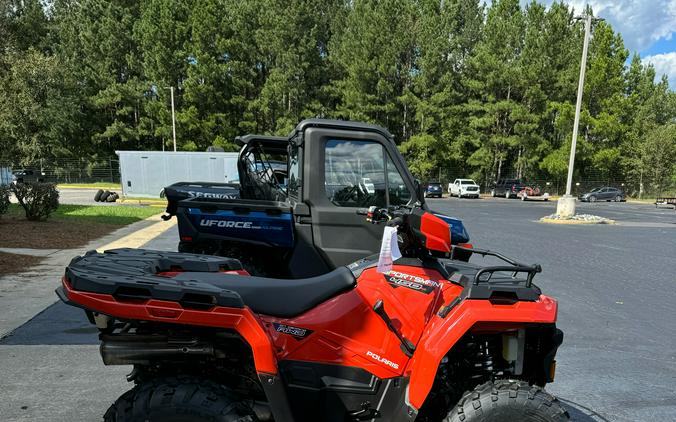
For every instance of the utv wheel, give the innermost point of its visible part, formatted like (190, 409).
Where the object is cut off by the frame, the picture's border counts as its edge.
(186, 247)
(508, 400)
(97, 197)
(178, 399)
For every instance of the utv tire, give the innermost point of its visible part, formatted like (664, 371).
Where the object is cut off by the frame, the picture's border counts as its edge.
(186, 247)
(508, 400)
(104, 196)
(184, 399)
(97, 197)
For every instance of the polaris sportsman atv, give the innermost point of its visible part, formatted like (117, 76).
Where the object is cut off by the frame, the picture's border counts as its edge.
(431, 339)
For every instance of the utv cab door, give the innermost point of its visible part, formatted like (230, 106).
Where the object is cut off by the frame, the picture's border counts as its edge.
(339, 161)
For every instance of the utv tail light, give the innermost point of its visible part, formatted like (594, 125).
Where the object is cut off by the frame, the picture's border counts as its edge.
(186, 238)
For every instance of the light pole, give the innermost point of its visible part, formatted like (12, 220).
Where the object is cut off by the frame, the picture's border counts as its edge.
(173, 116)
(566, 204)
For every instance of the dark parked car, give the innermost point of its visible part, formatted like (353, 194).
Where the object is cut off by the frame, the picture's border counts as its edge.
(433, 190)
(605, 193)
(28, 176)
(507, 188)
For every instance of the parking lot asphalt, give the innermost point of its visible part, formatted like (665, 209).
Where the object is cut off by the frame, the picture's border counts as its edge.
(616, 286)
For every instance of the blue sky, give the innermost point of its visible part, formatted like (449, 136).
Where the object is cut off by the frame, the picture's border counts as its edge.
(647, 27)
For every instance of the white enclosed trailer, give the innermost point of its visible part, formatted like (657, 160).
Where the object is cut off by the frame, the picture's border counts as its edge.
(146, 173)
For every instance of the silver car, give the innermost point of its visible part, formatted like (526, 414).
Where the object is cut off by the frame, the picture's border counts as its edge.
(605, 193)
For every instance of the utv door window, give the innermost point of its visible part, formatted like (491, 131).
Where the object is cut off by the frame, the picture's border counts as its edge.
(355, 175)
(398, 192)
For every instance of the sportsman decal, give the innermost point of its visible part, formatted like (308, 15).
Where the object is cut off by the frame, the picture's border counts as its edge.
(413, 282)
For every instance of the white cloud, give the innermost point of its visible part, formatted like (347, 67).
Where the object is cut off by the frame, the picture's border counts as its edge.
(665, 64)
(641, 23)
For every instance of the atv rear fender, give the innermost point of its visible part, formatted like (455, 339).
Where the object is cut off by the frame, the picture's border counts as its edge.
(241, 320)
(444, 331)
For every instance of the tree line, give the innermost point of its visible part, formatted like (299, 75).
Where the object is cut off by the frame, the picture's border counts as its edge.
(489, 90)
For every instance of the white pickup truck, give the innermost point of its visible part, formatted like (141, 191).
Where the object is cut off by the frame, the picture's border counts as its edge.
(463, 188)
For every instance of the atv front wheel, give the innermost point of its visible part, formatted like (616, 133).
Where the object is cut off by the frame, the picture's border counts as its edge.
(178, 399)
(508, 400)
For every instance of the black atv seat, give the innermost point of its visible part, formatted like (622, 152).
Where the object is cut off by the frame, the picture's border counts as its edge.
(280, 297)
(199, 281)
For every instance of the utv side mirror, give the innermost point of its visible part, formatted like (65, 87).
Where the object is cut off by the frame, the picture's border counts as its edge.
(419, 191)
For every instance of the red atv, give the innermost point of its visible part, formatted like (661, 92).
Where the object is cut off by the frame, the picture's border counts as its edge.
(433, 339)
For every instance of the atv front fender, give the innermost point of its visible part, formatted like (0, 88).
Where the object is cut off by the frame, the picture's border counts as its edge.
(444, 331)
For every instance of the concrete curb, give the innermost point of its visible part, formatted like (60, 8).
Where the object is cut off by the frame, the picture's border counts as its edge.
(159, 203)
(575, 222)
(94, 188)
(140, 237)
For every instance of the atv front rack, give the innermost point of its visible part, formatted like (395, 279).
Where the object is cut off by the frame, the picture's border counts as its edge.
(486, 273)
(480, 284)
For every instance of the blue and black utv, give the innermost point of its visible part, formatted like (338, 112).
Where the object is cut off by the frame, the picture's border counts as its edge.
(294, 211)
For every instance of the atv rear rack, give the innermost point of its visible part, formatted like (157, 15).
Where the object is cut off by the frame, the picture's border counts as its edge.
(486, 273)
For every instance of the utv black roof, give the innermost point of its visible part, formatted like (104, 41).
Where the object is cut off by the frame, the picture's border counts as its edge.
(341, 124)
(264, 139)
(276, 141)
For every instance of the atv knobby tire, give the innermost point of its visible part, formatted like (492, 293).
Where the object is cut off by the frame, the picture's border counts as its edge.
(181, 398)
(97, 197)
(507, 400)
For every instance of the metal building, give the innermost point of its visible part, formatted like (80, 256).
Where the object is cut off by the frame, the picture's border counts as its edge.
(146, 173)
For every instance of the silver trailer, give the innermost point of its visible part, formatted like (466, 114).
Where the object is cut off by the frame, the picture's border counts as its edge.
(146, 173)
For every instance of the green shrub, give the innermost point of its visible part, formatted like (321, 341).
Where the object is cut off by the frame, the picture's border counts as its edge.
(38, 200)
(4, 199)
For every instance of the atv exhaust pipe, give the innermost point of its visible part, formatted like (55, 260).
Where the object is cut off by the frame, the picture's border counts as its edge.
(142, 351)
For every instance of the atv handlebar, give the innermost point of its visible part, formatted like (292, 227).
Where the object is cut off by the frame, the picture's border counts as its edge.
(375, 215)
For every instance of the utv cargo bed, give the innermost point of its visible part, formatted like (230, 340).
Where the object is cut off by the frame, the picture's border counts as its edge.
(184, 190)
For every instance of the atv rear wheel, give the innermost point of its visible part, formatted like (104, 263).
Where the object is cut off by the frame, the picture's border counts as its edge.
(507, 400)
(175, 399)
